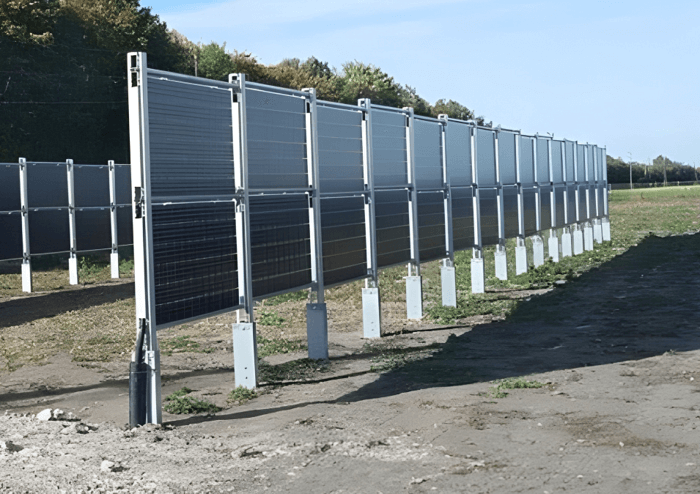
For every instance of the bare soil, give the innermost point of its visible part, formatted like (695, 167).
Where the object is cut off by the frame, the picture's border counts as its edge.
(617, 349)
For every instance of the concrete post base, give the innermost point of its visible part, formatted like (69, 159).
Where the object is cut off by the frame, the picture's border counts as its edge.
(566, 243)
(27, 276)
(537, 251)
(245, 355)
(606, 230)
(501, 263)
(587, 237)
(317, 331)
(598, 231)
(371, 313)
(414, 297)
(114, 264)
(478, 280)
(73, 270)
(578, 240)
(553, 246)
(449, 285)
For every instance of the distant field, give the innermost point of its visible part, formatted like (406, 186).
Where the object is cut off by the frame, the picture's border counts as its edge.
(94, 323)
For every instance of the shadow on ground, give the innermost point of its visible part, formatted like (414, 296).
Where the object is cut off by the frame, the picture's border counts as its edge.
(30, 308)
(640, 304)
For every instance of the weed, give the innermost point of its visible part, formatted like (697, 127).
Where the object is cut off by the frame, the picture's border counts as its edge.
(270, 318)
(241, 395)
(295, 370)
(288, 297)
(90, 268)
(274, 346)
(513, 383)
(470, 306)
(126, 268)
(180, 403)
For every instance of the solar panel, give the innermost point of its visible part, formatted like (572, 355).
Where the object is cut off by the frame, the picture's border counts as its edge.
(344, 239)
(510, 212)
(557, 163)
(530, 211)
(47, 185)
(93, 229)
(542, 161)
(9, 195)
(389, 158)
(462, 218)
(488, 208)
(427, 148)
(545, 208)
(569, 156)
(560, 199)
(527, 164)
(485, 158)
(91, 186)
(48, 231)
(431, 226)
(571, 204)
(11, 244)
(506, 157)
(340, 150)
(459, 149)
(393, 233)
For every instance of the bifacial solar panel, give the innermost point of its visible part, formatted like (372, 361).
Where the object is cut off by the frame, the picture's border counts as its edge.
(582, 203)
(506, 158)
(545, 208)
(93, 229)
(603, 194)
(593, 201)
(543, 161)
(280, 243)
(393, 234)
(47, 185)
(48, 231)
(569, 165)
(125, 225)
(191, 152)
(510, 212)
(590, 169)
(344, 239)
(389, 158)
(11, 244)
(91, 184)
(123, 184)
(340, 150)
(580, 164)
(194, 252)
(557, 163)
(485, 158)
(9, 194)
(571, 204)
(488, 206)
(459, 154)
(462, 218)
(427, 149)
(527, 163)
(431, 226)
(530, 210)
(277, 154)
(559, 201)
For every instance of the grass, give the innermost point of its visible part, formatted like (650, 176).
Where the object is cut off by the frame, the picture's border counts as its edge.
(182, 344)
(498, 391)
(295, 370)
(180, 402)
(388, 357)
(269, 318)
(274, 346)
(241, 395)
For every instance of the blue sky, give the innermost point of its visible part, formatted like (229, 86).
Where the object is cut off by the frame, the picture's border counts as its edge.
(622, 74)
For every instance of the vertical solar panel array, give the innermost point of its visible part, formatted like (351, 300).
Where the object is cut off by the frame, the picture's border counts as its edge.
(383, 174)
(48, 206)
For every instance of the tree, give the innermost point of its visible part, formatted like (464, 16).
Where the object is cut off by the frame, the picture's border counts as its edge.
(367, 81)
(28, 21)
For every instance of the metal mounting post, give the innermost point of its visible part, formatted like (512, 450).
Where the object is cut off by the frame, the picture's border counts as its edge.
(477, 262)
(26, 254)
(144, 275)
(245, 348)
(316, 313)
(114, 255)
(414, 289)
(447, 267)
(73, 258)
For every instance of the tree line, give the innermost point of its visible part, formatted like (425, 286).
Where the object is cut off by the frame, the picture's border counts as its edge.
(63, 76)
(662, 169)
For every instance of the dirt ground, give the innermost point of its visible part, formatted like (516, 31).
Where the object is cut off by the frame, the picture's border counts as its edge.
(618, 352)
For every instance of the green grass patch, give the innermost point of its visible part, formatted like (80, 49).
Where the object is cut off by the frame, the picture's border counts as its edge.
(288, 297)
(182, 344)
(180, 402)
(241, 395)
(269, 318)
(498, 391)
(472, 305)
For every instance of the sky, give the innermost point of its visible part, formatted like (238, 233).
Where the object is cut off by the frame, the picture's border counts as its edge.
(623, 74)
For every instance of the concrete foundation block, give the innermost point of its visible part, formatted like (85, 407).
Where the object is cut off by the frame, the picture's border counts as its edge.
(245, 355)
(449, 286)
(317, 331)
(478, 280)
(371, 313)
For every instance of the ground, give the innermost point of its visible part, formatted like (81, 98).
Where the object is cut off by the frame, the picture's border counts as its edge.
(589, 384)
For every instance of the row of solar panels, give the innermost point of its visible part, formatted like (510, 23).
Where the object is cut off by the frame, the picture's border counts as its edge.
(372, 172)
(47, 207)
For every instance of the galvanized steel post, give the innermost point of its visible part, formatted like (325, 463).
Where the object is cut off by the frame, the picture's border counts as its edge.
(447, 268)
(114, 254)
(414, 289)
(73, 257)
(24, 204)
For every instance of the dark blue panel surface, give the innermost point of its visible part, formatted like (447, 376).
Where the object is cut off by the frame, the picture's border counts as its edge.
(47, 185)
(48, 232)
(9, 188)
(344, 241)
(11, 244)
(393, 234)
(93, 229)
(431, 226)
(510, 212)
(91, 186)
(530, 211)
(462, 218)
(545, 208)
(488, 205)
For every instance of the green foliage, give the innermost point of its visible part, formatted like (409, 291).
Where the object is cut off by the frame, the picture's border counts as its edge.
(453, 110)
(360, 80)
(28, 21)
(126, 268)
(241, 395)
(274, 346)
(513, 383)
(270, 318)
(90, 268)
(288, 297)
(215, 62)
(180, 403)
(662, 169)
(472, 305)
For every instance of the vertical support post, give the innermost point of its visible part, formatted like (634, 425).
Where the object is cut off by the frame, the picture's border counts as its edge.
(520, 249)
(73, 256)
(537, 242)
(501, 260)
(114, 255)
(245, 348)
(371, 303)
(316, 313)
(414, 288)
(26, 251)
(477, 262)
(606, 213)
(143, 234)
(448, 277)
